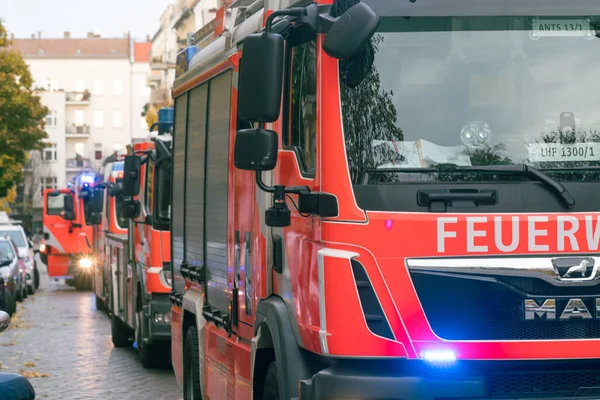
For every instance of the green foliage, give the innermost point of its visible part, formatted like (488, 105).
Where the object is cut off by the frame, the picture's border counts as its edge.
(21, 115)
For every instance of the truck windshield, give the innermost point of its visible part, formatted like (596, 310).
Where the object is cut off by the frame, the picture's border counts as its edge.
(55, 204)
(474, 91)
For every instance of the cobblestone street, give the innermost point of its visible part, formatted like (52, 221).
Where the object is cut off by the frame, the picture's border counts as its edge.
(58, 335)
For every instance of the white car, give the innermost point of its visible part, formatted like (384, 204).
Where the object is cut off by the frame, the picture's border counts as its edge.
(17, 234)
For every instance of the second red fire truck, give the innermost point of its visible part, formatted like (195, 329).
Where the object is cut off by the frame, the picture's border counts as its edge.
(139, 261)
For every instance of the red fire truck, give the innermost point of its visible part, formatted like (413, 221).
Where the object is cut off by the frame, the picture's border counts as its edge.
(68, 218)
(388, 200)
(141, 260)
(110, 222)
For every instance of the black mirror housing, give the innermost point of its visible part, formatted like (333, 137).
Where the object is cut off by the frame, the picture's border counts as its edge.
(131, 176)
(95, 218)
(68, 215)
(131, 209)
(46, 236)
(255, 149)
(261, 77)
(351, 32)
(69, 206)
(98, 200)
(15, 386)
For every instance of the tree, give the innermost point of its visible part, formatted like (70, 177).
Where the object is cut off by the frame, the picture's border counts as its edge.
(29, 196)
(21, 115)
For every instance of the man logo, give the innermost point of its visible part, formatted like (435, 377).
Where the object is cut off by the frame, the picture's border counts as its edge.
(575, 269)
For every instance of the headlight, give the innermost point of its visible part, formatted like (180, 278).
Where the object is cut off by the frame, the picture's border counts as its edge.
(42, 247)
(160, 318)
(85, 263)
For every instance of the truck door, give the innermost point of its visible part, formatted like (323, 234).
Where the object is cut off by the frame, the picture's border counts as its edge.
(60, 235)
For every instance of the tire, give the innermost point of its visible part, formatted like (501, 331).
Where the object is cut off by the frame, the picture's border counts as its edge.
(99, 304)
(191, 365)
(83, 282)
(30, 290)
(120, 333)
(19, 294)
(10, 304)
(271, 391)
(36, 277)
(25, 291)
(149, 356)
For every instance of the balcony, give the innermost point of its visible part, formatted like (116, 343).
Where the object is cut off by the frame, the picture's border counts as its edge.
(78, 98)
(157, 63)
(78, 131)
(78, 163)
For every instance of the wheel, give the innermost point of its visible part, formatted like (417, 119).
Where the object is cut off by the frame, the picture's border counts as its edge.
(191, 365)
(30, 290)
(24, 289)
(83, 282)
(120, 332)
(99, 304)
(271, 391)
(10, 304)
(19, 293)
(36, 277)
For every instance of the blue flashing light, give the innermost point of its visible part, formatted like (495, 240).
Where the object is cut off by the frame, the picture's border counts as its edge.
(438, 356)
(87, 179)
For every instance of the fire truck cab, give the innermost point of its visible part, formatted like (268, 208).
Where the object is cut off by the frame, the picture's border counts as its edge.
(68, 219)
(144, 311)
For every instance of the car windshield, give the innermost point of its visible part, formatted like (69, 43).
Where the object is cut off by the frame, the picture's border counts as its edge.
(16, 237)
(472, 91)
(6, 251)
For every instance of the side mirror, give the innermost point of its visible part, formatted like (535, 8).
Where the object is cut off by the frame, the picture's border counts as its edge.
(98, 200)
(351, 31)
(4, 319)
(131, 176)
(255, 149)
(115, 189)
(131, 209)
(95, 218)
(68, 208)
(149, 220)
(15, 387)
(46, 236)
(261, 72)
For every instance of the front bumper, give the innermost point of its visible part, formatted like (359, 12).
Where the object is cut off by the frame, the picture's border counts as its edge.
(501, 380)
(158, 331)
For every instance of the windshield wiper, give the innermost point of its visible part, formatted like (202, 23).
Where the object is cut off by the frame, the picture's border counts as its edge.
(509, 169)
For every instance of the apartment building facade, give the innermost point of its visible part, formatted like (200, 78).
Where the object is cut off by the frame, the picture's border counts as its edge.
(95, 89)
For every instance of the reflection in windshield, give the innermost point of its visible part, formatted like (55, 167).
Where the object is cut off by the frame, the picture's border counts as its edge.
(476, 91)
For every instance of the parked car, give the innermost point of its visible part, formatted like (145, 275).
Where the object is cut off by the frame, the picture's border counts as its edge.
(13, 386)
(11, 276)
(26, 252)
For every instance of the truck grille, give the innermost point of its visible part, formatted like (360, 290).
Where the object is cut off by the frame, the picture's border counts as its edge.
(555, 383)
(492, 308)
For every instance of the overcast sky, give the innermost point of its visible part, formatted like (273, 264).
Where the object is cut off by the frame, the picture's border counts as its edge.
(110, 18)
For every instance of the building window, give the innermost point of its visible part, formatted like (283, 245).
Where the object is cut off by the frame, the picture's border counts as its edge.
(98, 119)
(117, 119)
(98, 87)
(79, 148)
(79, 117)
(117, 87)
(49, 153)
(143, 123)
(79, 86)
(49, 182)
(98, 151)
(51, 119)
(304, 96)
